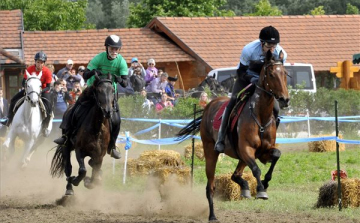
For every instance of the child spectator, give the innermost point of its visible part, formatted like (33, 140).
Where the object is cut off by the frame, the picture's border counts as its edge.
(164, 103)
(203, 100)
(170, 90)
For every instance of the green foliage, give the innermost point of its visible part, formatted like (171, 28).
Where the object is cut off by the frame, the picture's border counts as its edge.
(351, 9)
(318, 11)
(143, 12)
(264, 8)
(47, 15)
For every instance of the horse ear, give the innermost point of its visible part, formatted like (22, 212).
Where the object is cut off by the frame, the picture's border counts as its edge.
(40, 74)
(28, 74)
(96, 75)
(281, 55)
(268, 55)
(109, 76)
(214, 75)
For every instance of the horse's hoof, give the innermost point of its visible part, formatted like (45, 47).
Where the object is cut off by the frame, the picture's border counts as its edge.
(213, 219)
(262, 195)
(245, 194)
(87, 183)
(47, 132)
(69, 192)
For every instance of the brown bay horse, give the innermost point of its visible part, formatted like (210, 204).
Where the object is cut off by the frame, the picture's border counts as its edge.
(92, 137)
(253, 136)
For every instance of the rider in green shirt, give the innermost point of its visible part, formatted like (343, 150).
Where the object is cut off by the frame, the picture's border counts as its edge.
(106, 62)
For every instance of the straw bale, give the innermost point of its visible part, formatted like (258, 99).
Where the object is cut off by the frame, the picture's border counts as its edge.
(150, 160)
(229, 190)
(181, 174)
(325, 145)
(199, 151)
(350, 192)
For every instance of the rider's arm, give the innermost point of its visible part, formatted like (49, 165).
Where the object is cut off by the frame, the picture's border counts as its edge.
(88, 73)
(122, 80)
(47, 88)
(23, 82)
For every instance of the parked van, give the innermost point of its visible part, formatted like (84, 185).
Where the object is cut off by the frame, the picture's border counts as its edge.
(301, 74)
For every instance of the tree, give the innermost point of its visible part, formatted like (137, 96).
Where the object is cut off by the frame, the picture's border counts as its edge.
(264, 8)
(143, 12)
(318, 11)
(46, 15)
(351, 10)
(95, 14)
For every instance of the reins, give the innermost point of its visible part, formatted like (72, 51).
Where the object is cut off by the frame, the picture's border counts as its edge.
(31, 92)
(95, 95)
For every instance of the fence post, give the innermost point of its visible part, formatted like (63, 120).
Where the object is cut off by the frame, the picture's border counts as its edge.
(159, 133)
(338, 155)
(126, 157)
(193, 151)
(308, 121)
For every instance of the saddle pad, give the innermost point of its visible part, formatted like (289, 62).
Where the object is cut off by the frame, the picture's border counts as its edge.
(218, 116)
(236, 114)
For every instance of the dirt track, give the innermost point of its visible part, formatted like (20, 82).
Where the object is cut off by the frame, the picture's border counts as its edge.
(31, 195)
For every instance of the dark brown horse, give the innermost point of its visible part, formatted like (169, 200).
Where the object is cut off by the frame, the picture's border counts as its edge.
(253, 136)
(92, 138)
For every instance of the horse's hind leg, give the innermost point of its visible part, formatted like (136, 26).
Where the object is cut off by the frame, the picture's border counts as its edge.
(82, 170)
(237, 178)
(26, 153)
(211, 157)
(275, 155)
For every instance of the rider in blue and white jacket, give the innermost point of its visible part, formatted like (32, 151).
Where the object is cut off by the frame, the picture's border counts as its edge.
(251, 61)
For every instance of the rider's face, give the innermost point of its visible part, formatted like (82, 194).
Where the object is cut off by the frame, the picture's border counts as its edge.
(113, 51)
(269, 46)
(39, 64)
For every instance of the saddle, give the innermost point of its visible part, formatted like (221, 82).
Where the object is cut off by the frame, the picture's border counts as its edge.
(41, 104)
(242, 98)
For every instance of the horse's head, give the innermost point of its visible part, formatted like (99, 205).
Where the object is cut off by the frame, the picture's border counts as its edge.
(104, 94)
(33, 88)
(273, 79)
(213, 84)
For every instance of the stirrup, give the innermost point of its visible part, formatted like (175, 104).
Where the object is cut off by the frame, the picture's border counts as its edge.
(61, 140)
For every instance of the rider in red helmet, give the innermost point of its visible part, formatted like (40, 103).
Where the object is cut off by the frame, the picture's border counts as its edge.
(251, 61)
(106, 62)
(46, 78)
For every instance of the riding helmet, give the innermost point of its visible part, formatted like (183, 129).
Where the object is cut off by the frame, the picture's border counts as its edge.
(40, 56)
(270, 35)
(113, 41)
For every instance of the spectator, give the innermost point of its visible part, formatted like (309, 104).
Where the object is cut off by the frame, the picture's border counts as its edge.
(151, 71)
(54, 77)
(147, 103)
(134, 65)
(170, 90)
(158, 84)
(71, 78)
(80, 74)
(75, 93)
(203, 100)
(62, 97)
(4, 105)
(164, 103)
(160, 71)
(137, 81)
(67, 68)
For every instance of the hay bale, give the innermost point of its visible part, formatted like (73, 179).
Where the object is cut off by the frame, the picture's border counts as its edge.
(325, 145)
(151, 160)
(227, 189)
(350, 193)
(181, 174)
(199, 151)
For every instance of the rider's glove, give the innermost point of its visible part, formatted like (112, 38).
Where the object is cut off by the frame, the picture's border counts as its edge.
(254, 80)
(122, 81)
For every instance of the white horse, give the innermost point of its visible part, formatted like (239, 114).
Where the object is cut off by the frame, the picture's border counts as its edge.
(27, 121)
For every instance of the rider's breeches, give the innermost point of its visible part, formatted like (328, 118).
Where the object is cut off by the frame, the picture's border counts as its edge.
(115, 126)
(48, 102)
(13, 101)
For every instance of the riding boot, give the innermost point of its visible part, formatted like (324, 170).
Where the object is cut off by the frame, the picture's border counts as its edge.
(8, 120)
(61, 141)
(112, 148)
(220, 143)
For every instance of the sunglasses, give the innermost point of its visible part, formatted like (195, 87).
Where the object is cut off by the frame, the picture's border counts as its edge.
(81, 70)
(151, 64)
(270, 45)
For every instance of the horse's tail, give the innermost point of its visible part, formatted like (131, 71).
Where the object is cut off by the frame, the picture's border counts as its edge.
(58, 162)
(192, 128)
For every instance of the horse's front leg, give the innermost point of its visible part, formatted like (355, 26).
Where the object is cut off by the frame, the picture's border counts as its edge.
(237, 178)
(68, 170)
(275, 155)
(82, 170)
(95, 179)
(27, 153)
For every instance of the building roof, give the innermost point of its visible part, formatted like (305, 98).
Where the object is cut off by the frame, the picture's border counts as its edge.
(218, 41)
(83, 45)
(11, 26)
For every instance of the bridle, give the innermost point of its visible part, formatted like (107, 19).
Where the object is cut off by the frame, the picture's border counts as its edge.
(101, 81)
(270, 91)
(32, 92)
